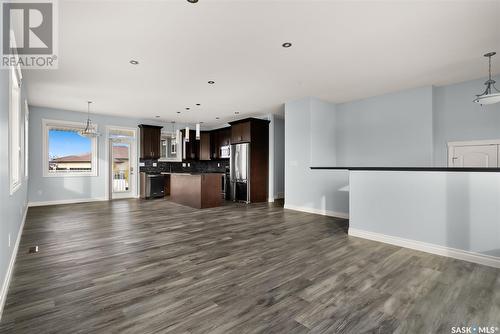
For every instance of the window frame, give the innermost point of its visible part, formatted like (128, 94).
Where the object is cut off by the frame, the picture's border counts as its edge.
(164, 136)
(15, 153)
(46, 126)
(26, 139)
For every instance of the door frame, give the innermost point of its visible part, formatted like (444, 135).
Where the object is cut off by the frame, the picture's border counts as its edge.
(452, 144)
(135, 163)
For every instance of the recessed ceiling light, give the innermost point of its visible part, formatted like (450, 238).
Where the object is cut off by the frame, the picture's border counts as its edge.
(202, 122)
(157, 116)
(188, 108)
(236, 112)
(178, 112)
(211, 82)
(198, 104)
(287, 45)
(192, 1)
(216, 117)
(134, 62)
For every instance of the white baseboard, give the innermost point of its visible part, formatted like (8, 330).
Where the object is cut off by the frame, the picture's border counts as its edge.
(487, 260)
(323, 212)
(10, 269)
(66, 201)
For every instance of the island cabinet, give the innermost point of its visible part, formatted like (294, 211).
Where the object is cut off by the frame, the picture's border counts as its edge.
(150, 138)
(196, 190)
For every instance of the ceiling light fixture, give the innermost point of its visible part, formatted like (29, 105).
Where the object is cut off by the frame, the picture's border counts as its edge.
(134, 62)
(157, 116)
(178, 112)
(188, 108)
(187, 134)
(216, 117)
(491, 95)
(90, 129)
(236, 112)
(211, 82)
(192, 1)
(198, 104)
(286, 45)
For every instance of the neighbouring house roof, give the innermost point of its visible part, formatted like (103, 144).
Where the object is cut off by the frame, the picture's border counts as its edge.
(119, 153)
(86, 157)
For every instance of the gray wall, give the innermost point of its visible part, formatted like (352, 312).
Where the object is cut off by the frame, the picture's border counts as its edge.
(449, 209)
(12, 208)
(456, 118)
(389, 130)
(407, 128)
(279, 157)
(307, 190)
(48, 189)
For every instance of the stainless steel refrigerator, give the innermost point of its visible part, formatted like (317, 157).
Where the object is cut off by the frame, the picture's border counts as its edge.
(240, 172)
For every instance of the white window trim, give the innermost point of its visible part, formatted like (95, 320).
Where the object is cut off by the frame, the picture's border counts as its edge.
(15, 184)
(26, 139)
(46, 123)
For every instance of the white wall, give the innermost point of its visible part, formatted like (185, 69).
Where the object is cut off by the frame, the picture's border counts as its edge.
(305, 189)
(12, 207)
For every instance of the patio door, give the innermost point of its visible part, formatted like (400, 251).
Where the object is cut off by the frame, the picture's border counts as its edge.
(122, 158)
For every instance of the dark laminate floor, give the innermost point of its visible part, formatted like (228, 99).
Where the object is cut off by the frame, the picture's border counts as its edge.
(134, 266)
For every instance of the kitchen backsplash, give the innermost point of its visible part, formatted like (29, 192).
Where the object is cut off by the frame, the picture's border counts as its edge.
(177, 167)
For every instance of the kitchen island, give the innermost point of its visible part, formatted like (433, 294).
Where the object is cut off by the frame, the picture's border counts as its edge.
(197, 190)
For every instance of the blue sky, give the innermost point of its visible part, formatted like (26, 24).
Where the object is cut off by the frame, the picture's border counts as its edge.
(62, 143)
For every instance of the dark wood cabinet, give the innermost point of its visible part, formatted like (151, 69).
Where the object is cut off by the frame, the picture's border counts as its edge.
(205, 146)
(150, 137)
(218, 138)
(256, 132)
(241, 132)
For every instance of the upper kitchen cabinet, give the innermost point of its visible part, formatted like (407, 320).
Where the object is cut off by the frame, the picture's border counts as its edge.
(218, 139)
(150, 137)
(240, 132)
(205, 146)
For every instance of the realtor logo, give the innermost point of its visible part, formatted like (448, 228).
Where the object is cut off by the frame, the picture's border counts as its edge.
(29, 38)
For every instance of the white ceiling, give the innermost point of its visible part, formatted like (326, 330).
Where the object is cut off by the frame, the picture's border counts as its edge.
(342, 51)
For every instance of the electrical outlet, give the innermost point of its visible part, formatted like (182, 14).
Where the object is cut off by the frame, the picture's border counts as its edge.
(9, 240)
(183, 164)
(218, 164)
(189, 164)
(142, 164)
(155, 164)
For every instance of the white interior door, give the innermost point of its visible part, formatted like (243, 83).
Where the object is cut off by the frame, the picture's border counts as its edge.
(473, 156)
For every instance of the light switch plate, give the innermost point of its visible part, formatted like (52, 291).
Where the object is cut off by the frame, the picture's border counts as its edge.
(142, 164)
(155, 164)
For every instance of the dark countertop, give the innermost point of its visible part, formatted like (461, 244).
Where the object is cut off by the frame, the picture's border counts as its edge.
(190, 173)
(413, 169)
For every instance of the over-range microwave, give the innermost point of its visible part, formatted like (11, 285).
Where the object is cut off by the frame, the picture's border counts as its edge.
(225, 151)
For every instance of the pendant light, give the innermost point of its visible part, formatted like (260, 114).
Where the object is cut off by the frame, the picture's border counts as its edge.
(173, 134)
(187, 134)
(491, 95)
(90, 129)
(197, 131)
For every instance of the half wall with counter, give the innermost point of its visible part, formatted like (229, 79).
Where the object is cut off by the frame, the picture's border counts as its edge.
(453, 212)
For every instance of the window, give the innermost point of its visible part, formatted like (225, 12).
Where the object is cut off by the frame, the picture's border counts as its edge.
(15, 129)
(170, 150)
(66, 152)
